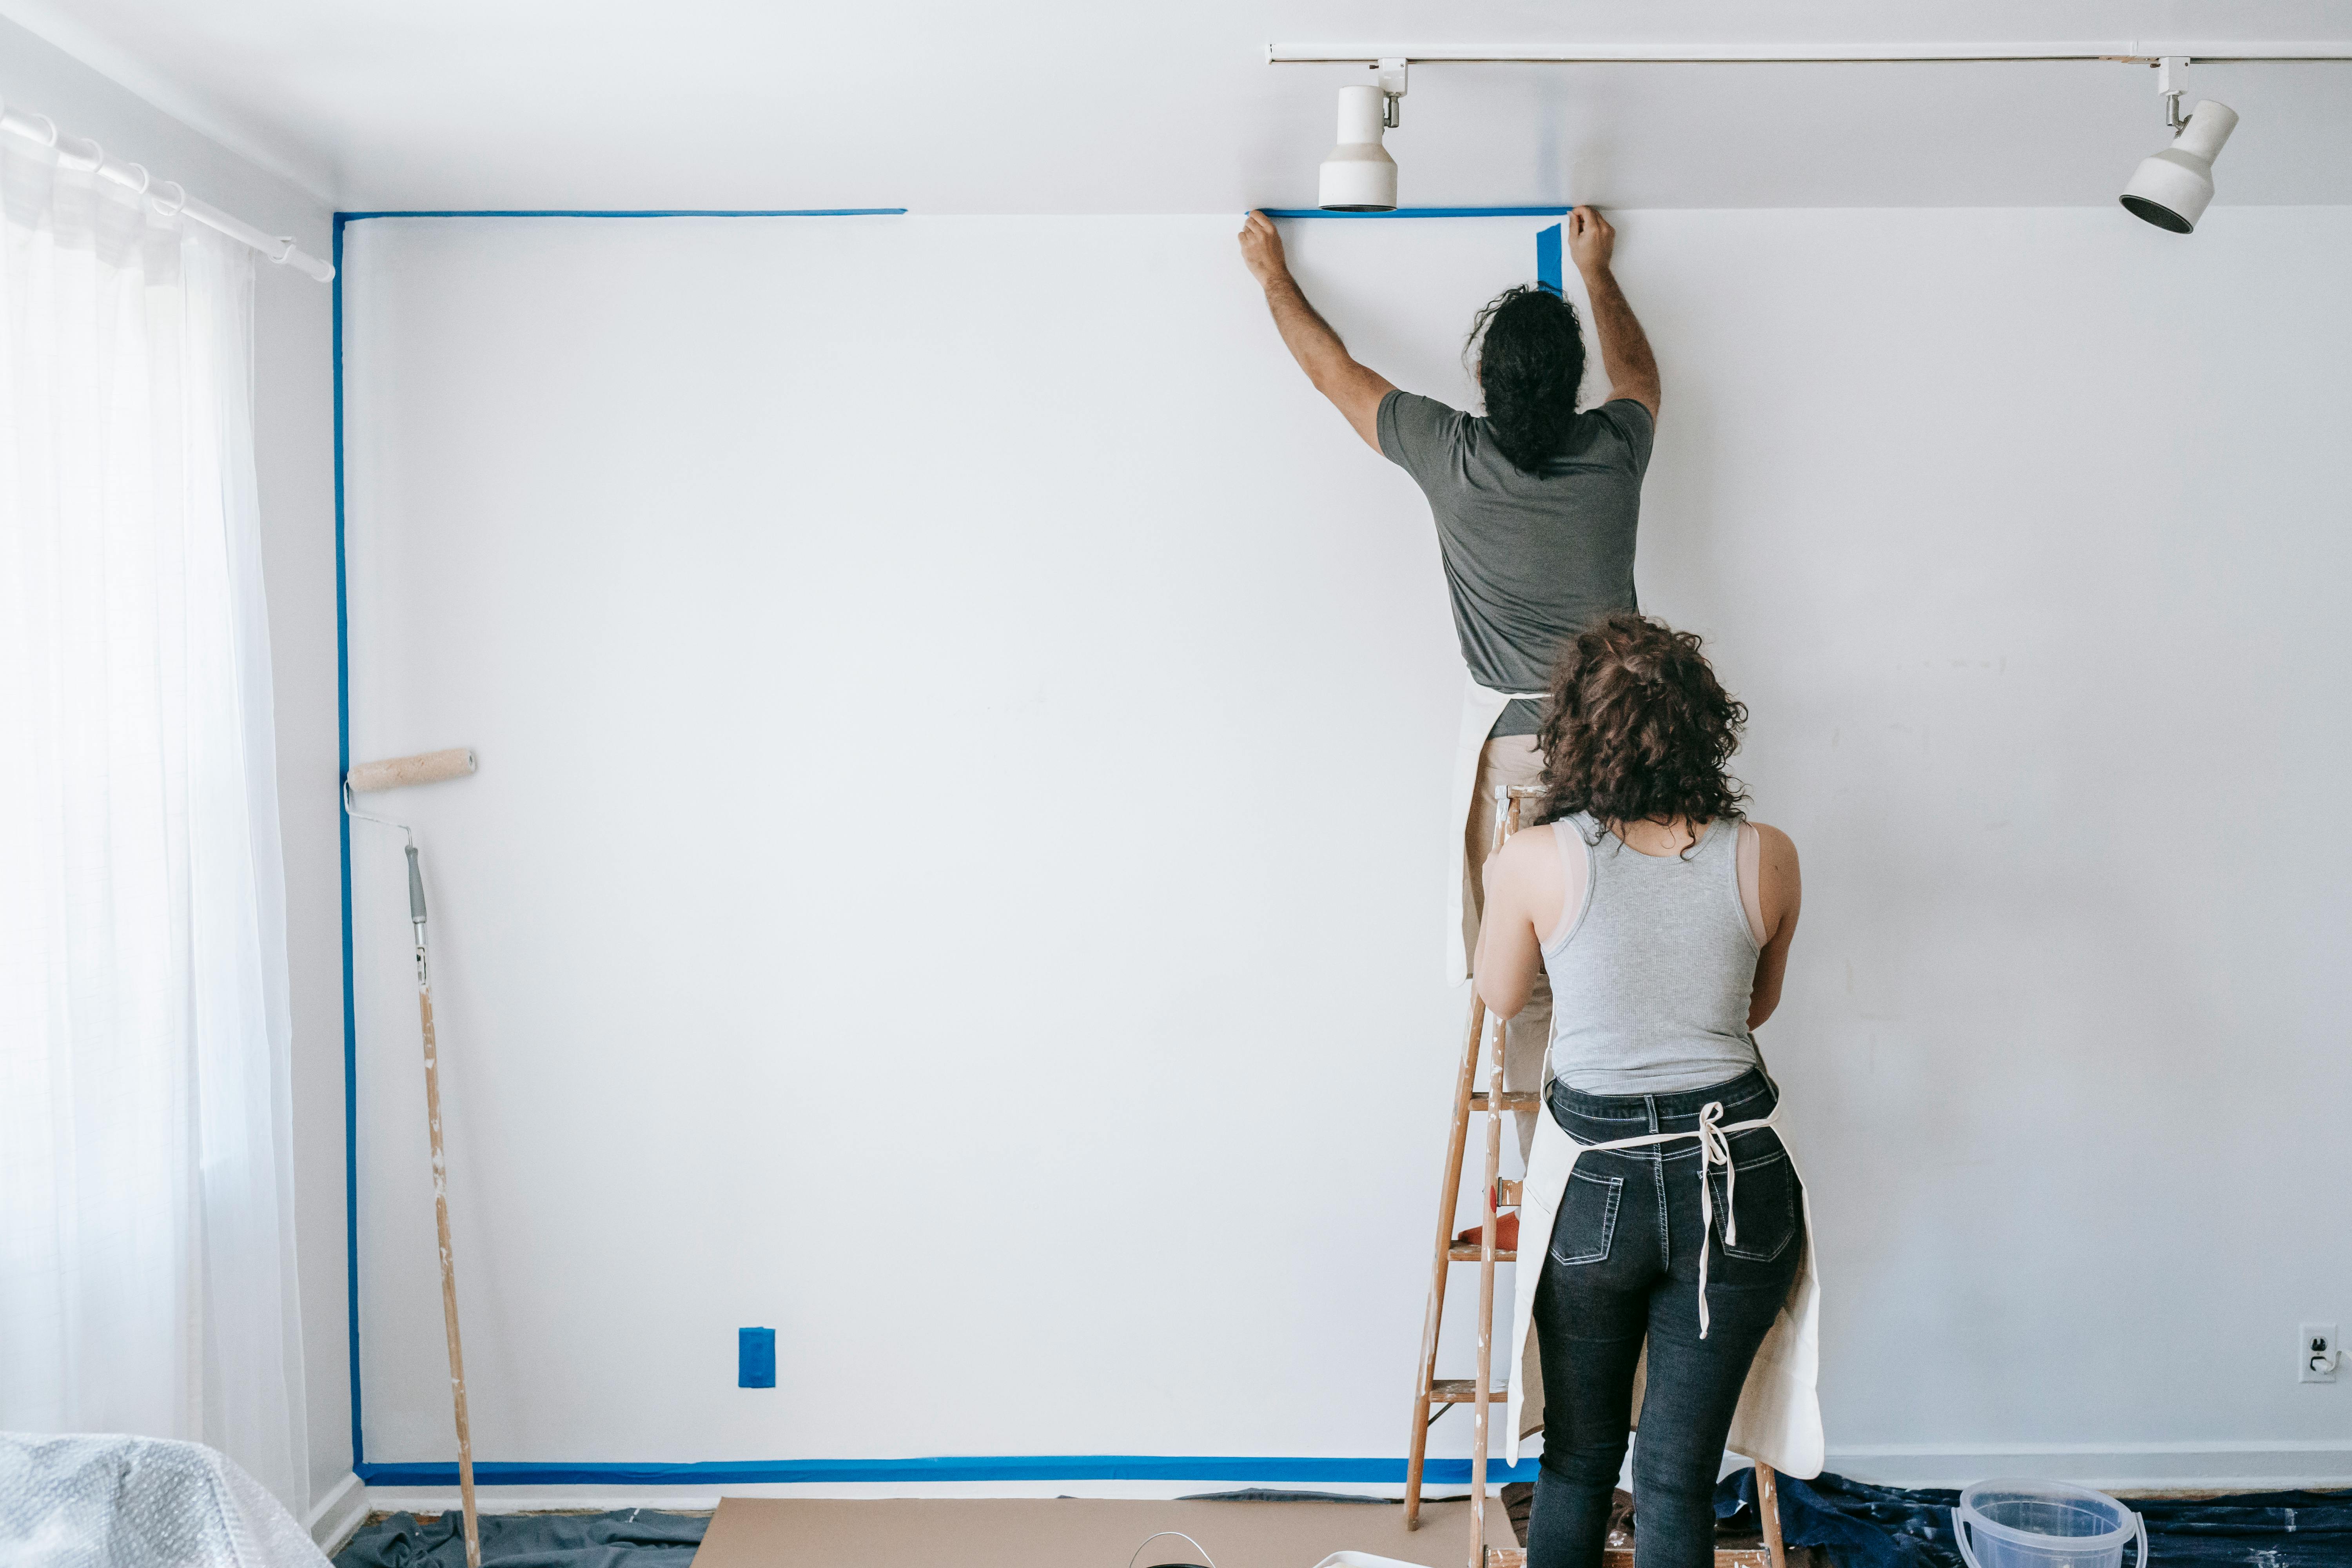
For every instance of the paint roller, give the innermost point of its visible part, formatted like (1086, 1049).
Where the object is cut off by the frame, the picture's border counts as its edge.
(399, 772)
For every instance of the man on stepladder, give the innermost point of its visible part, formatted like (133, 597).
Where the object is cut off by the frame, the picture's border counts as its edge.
(1536, 505)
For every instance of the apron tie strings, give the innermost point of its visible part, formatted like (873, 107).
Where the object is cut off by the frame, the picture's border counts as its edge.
(1714, 1148)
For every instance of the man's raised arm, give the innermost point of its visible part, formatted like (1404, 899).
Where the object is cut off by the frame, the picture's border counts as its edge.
(1355, 391)
(1625, 349)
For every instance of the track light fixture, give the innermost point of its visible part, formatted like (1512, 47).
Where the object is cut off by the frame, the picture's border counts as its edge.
(2170, 189)
(1359, 176)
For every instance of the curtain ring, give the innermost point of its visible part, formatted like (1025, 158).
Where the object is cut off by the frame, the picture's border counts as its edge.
(45, 119)
(179, 203)
(97, 154)
(145, 179)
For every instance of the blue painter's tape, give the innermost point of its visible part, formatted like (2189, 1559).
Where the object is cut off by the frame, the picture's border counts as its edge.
(642, 212)
(1548, 272)
(975, 1467)
(755, 1358)
(344, 822)
(344, 712)
(1421, 211)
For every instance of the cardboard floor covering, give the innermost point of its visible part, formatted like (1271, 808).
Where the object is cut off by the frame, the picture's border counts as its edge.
(1078, 1533)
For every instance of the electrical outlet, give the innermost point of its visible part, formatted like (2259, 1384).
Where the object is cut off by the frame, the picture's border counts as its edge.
(2315, 1350)
(755, 1358)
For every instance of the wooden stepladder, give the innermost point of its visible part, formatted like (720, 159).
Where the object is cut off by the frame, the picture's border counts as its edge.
(1431, 1392)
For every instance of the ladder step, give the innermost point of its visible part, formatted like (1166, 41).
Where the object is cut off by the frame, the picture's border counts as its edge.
(1512, 1099)
(1467, 1252)
(1506, 1557)
(1462, 1391)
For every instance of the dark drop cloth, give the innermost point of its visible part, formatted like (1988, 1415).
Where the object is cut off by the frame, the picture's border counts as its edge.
(628, 1537)
(1862, 1526)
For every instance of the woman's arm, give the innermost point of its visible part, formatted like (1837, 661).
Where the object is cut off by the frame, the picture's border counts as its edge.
(1523, 899)
(1782, 892)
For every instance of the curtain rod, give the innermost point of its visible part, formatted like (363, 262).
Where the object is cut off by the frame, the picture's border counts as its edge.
(41, 128)
(2130, 51)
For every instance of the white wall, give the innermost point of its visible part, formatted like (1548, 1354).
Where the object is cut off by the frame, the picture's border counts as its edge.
(1086, 1096)
(293, 441)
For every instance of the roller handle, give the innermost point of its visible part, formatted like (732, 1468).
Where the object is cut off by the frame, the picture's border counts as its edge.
(415, 888)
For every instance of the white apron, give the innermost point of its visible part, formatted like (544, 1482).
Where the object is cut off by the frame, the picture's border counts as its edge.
(1480, 708)
(1779, 1416)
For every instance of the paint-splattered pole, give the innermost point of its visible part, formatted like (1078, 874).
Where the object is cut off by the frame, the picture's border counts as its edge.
(441, 1217)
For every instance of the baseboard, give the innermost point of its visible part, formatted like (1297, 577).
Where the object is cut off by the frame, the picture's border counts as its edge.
(2112, 1466)
(338, 1516)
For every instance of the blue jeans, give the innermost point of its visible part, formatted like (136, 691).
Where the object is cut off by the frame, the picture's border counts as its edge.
(1622, 1267)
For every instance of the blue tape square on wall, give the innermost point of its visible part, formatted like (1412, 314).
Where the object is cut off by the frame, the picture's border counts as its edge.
(755, 1358)
(1548, 272)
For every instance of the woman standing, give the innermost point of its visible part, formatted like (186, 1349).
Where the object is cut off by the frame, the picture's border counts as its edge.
(1670, 1217)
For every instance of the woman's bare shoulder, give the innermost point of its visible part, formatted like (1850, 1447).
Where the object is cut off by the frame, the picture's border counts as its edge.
(1531, 844)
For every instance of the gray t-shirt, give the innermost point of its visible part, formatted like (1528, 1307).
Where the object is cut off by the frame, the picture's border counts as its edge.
(1531, 559)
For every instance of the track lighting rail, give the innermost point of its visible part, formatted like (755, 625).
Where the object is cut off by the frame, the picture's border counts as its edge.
(2129, 51)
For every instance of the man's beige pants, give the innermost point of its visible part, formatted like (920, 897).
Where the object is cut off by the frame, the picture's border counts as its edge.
(1508, 762)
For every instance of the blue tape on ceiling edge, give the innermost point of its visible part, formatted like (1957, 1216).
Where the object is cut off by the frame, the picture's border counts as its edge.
(644, 212)
(975, 1468)
(1421, 211)
(1548, 272)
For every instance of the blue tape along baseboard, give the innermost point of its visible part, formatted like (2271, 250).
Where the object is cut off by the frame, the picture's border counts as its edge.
(975, 1468)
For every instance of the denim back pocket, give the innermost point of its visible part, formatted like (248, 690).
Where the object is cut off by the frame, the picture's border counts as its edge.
(1769, 1197)
(1588, 1218)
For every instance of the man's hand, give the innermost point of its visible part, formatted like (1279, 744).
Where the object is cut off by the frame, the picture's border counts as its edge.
(1590, 240)
(1354, 390)
(1261, 249)
(1625, 349)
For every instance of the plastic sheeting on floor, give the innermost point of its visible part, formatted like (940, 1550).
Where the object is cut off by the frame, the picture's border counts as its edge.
(1862, 1526)
(629, 1538)
(110, 1501)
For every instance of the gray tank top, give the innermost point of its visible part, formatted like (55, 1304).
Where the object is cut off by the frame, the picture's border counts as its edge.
(1650, 979)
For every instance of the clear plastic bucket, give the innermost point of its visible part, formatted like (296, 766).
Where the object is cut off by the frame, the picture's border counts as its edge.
(2044, 1524)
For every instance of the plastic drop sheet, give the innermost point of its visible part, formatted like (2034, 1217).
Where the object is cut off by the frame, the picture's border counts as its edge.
(139, 1502)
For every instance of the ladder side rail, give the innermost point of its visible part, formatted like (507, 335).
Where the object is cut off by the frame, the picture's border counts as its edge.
(1482, 1401)
(1449, 1202)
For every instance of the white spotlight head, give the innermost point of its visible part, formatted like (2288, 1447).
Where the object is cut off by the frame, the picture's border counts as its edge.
(1359, 176)
(2170, 189)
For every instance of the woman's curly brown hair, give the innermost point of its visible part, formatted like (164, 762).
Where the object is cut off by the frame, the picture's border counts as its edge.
(1639, 728)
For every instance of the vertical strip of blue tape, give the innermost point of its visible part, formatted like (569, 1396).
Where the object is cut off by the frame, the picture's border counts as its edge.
(1548, 273)
(755, 1358)
(344, 829)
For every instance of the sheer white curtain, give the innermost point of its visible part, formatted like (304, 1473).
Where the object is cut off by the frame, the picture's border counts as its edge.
(147, 1278)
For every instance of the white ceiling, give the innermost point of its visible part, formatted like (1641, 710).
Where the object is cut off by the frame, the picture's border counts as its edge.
(1091, 106)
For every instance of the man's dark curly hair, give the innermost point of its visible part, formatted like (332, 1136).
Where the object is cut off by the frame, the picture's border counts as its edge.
(1638, 728)
(1530, 358)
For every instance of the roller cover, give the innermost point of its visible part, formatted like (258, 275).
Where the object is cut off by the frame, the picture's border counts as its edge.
(426, 767)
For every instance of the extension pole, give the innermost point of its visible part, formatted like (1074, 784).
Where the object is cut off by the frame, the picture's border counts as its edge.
(441, 1219)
